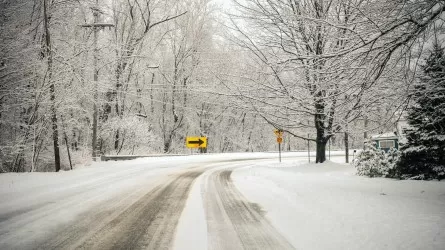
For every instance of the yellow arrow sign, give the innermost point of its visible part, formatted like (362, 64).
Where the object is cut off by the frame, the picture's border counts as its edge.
(196, 142)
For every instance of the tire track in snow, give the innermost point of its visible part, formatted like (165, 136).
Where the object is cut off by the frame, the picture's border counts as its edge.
(43, 203)
(234, 222)
(150, 222)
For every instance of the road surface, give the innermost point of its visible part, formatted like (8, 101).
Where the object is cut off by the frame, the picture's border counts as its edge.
(135, 207)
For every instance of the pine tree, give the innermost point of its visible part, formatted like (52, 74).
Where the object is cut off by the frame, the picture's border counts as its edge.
(423, 155)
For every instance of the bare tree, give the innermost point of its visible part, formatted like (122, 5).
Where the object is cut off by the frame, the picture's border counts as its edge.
(320, 58)
(134, 21)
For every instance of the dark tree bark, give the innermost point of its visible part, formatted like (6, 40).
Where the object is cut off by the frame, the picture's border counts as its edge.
(321, 129)
(321, 151)
(66, 143)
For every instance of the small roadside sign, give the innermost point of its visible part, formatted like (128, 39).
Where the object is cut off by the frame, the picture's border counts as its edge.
(278, 132)
(196, 142)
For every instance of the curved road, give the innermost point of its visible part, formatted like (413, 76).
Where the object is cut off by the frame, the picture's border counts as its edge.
(141, 212)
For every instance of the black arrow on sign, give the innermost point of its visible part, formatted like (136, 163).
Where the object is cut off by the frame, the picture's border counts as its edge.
(199, 142)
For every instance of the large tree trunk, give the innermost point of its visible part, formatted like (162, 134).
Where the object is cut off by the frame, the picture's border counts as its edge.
(321, 142)
(168, 142)
(321, 139)
(51, 87)
(321, 150)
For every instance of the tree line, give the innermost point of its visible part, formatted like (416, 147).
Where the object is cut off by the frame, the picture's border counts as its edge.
(89, 77)
(84, 78)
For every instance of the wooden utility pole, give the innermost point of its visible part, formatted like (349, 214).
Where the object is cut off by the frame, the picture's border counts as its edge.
(95, 79)
(96, 26)
(49, 58)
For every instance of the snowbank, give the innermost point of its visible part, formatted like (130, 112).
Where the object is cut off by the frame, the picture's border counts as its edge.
(328, 207)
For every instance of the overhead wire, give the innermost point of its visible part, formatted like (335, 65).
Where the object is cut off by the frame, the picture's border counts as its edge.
(197, 109)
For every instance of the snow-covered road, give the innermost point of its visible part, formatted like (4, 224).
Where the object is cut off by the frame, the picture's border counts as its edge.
(225, 201)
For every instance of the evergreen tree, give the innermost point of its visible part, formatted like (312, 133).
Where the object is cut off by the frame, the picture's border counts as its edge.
(423, 155)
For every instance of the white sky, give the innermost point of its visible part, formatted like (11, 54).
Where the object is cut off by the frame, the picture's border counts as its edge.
(224, 3)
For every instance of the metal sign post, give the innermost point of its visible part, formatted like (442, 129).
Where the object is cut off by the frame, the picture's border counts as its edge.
(308, 149)
(329, 148)
(279, 134)
(353, 155)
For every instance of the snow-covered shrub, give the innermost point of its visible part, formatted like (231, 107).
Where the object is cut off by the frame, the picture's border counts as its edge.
(374, 162)
(367, 161)
(389, 163)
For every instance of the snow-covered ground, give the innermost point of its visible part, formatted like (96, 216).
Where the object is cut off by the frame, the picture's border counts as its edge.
(329, 207)
(33, 206)
(312, 206)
